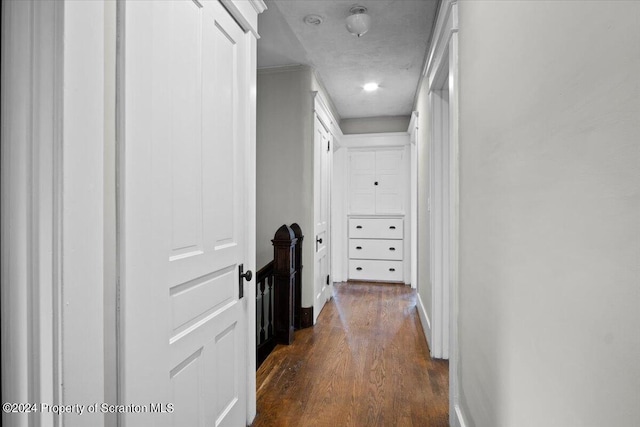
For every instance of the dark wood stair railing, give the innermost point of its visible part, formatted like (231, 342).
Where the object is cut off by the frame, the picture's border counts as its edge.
(297, 318)
(265, 340)
(278, 291)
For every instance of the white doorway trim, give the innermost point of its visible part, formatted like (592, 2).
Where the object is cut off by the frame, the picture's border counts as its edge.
(440, 194)
(32, 34)
(413, 199)
(441, 73)
(325, 127)
(52, 184)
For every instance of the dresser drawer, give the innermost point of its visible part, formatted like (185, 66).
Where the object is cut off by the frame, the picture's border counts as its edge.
(375, 249)
(375, 228)
(385, 271)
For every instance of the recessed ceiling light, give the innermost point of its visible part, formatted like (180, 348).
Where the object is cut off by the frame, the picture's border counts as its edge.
(370, 87)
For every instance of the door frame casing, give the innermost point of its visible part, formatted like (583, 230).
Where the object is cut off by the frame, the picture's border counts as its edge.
(322, 113)
(440, 218)
(413, 198)
(52, 194)
(443, 58)
(31, 197)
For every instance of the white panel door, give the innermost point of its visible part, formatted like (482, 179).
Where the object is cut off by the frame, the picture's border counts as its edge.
(322, 152)
(183, 102)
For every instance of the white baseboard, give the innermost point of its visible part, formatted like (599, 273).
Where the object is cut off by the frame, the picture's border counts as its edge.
(424, 320)
(458, 417)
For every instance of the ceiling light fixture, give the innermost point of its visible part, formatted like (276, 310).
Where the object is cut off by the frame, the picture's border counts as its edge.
(358, 22)
(370, 87)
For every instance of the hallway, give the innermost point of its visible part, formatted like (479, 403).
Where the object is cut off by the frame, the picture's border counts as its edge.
(366, 362)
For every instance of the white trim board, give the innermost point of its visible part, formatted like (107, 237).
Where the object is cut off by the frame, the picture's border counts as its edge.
(443, 59)
(32, 39)
(283, 69)
(371, 140)
(413, 199)
(459, 420)
(424, 320)
(413, 127)
(323, 111)
(246, 13)
(250, 214)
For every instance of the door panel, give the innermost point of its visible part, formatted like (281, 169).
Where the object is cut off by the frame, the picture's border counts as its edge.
(362, 198)
(186, 171)
(183, 325)
(390, 182)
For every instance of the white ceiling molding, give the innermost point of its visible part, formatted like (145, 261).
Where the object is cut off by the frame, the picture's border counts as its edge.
(246, 13)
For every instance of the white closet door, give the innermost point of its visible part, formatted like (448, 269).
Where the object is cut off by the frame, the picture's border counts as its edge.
(376, 181)
(390, 179)
(183, 330)
(362, 176)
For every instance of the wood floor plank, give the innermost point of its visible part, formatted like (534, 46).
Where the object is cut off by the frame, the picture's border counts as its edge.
(365, 363)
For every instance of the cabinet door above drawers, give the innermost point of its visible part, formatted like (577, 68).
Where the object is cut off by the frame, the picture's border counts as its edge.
(375, 228)
(375, 249)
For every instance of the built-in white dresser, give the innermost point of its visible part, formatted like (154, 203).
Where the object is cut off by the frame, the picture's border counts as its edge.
(376, 249)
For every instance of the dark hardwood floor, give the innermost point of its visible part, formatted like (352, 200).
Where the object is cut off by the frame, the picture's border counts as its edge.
(365, 363)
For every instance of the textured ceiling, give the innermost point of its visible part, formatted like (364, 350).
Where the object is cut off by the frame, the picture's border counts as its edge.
(391, 53)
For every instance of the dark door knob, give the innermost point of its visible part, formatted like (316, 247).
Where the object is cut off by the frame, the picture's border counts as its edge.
(375, 183)
(242, 277)
(247, 276)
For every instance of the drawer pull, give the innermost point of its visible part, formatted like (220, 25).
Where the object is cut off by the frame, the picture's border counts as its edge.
(358, 226)
(392, 269)
(392, 227)
(392, 249)
(359, 268)
(358, 247)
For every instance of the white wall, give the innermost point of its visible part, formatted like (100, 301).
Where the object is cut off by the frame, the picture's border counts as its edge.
(375, 124)
(281, 155)
(549, 207)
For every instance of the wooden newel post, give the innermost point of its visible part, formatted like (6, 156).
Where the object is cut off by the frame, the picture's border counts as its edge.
(284, 275)
(298, 267)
